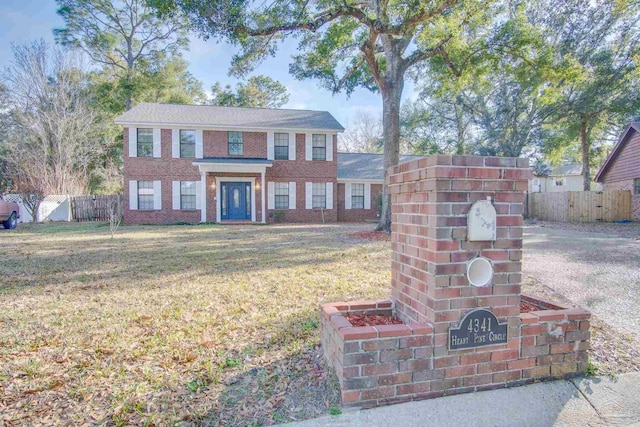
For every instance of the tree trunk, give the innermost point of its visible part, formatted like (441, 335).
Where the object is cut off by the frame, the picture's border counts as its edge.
(584, 143)
(391, 95)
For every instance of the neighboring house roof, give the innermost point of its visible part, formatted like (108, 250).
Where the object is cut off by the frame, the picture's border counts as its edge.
(565, 170)
(616, 150)
(149, 114)
(365, 166)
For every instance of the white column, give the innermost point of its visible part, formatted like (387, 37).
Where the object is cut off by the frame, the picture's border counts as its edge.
(262, 192)
(203, 201)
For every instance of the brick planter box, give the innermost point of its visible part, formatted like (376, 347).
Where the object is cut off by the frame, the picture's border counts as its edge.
(380, 365)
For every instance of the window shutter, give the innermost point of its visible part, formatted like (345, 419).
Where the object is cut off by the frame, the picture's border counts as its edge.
(175, 143)
(329, 148)
(329, 195)
(157, 195)
(308, 147)
(199, 143)
(271, 204)
(133, 144)
(292, 147)
(175, 195)
(308, 195)
(292, 195)
(133, 195)
(347, 195)
(367, 195)
(157, 146)
(270, 146)
(198, 194)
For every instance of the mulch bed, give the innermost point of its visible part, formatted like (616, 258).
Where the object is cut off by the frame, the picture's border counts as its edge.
(526, 308)
(372, 320)
(371, 235)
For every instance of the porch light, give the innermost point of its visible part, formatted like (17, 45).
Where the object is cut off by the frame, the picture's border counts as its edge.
(257, 185)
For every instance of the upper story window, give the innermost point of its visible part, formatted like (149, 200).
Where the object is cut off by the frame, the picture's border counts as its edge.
(357, 196)
(145, 195)
(281, 146)
(145, 143)
(636, 186)
(319, 144)
(235, 143)
(187, 195)
(281, 195)
(187, 143)
(319, 195)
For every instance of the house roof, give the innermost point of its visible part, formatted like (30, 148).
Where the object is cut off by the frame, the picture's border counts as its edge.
(564, 170)
(616, 149)
(149, 114)
(365, 166)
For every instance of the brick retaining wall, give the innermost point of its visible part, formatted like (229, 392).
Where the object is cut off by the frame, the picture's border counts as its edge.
(380, 365)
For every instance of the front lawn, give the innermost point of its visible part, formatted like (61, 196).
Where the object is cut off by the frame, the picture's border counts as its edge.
(203, 324)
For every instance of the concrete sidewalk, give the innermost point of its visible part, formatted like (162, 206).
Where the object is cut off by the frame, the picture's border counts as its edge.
(593, 401)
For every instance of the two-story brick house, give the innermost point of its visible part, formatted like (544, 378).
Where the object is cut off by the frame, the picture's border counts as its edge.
(189, 163)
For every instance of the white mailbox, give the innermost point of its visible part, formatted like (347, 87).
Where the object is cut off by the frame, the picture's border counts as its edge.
(481, 222)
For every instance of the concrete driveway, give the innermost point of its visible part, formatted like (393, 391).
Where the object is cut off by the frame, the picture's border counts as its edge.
(600, 272)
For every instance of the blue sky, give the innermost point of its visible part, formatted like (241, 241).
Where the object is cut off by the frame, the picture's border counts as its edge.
(26, 20)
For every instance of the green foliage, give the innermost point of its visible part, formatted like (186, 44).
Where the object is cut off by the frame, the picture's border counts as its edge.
(278, 216)
(125, 38)
(259, 91)
(334, 410)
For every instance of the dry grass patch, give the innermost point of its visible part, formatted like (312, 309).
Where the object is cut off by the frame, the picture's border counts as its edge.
(165, 324)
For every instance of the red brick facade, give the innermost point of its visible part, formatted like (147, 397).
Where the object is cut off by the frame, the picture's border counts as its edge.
(168, 169)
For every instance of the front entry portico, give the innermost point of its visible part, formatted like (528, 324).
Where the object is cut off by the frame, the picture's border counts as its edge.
(230, 187)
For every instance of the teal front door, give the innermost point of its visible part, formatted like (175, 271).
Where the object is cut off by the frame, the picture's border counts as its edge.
(235, 202)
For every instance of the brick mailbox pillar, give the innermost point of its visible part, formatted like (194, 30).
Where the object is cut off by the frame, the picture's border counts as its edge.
(456, 336)
(431, 199)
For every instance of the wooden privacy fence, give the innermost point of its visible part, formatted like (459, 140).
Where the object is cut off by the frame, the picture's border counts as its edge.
(95, 208)
(580, 206)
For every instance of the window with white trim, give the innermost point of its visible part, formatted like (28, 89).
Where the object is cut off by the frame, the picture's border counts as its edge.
(281, 146)
(319, 195)
(281, 195)
(187, 195)
(145, 142)
(319, 147)
(187, 143)
(235, 143)
(145, 195)
(357, 196)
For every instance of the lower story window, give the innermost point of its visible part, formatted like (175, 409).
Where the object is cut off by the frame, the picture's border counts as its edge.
(187, 195)
(636, 186)
(319, 195)
(145, 195)
(281, 195)
(357, 196)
